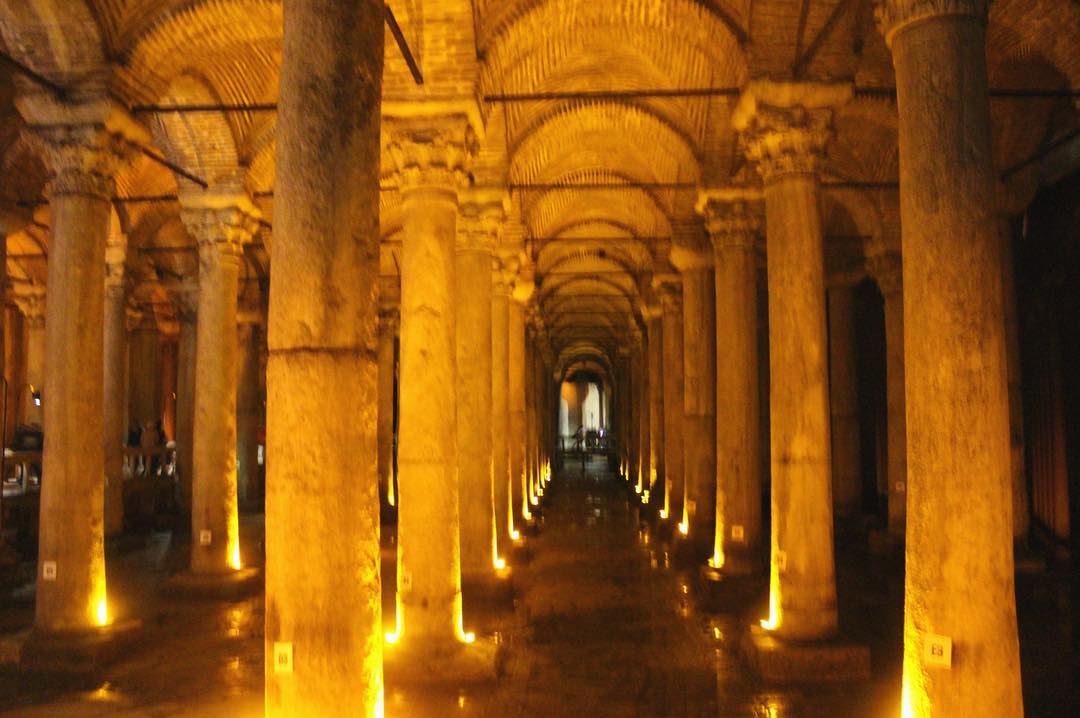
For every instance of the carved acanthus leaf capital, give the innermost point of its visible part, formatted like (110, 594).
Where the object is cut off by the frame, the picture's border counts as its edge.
(220, 225)
(735, 224)
(894, 15)
(31, 302)
(480, 220)
(432, 155)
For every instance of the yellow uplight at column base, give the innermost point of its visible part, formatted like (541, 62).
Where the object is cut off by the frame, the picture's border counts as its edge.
(773, 621)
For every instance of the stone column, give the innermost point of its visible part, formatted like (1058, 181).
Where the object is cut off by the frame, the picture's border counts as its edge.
(430, 164)
(388, 327)
(885, 269)
(674, 489)
(249, 407)
(31, 303)
(323, 602)
(530, 405)
(85, 146)
(115, 379)
(656, 399)
(500, 410)
(221, 225)
(959, 577)
(694, 260)
(477, 232)
(516, 402)
(733, 226)
(844, 400)
(185, 296)
(785, 129)
(144, 362)
(643, 410)
(1021, 507)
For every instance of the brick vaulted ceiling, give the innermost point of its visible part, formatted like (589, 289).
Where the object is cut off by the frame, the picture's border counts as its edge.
(555, 82)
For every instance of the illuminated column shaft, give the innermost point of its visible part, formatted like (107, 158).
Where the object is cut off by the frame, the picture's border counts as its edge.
(656, 399)
(530, 404)
(388, 323)
(84, 149)
(430, 168)
(733, 228)
(476, 235)
(959, 578)
(633, 396)
(322, 539)
(115, 386)
(500, 410)
(248, 406)
(622, 402)
(221, 226)
(644, 411)
(186, 298)
(785, 142)
(699, 400)
(1021, 512)
(844, 400)
(673, 406)
(32, 304)
(516, 403)
(885, 269)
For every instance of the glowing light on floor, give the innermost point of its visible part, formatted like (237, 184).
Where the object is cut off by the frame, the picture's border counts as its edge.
(234, 557)
(463, 635)
(101, 612)
(684, 528)
(515, 535)
(391, 498)
(663, 514)
(717, 560)
(773, 621)
(534, 501)
(394, 637)
(645, 496)
(500, 564)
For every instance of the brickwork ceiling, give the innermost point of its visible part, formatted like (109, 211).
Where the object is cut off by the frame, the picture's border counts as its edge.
(581, 92)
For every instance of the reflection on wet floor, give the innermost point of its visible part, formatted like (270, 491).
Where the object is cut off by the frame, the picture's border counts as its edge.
(605, 624)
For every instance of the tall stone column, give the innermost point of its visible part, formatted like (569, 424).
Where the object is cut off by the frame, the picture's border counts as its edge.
(885, 269)
(388, 327)
(656, 399)
(671, 297)
(623, 398)
(221, 225)
(500, 410)
(430, 163)
(85, 146)
(959, 578)
(530, 405)
(1021, 510)
(733, 226)
(694, 260)
(185, 296)
(844, 400)
(785, 127)
(32, 304)
(323, 602)
(144, 362)
(115, 382)
(643, 409)
(248, 406)
(516, 402)
(477, 232)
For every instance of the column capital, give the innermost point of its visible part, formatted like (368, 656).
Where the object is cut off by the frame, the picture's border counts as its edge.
(887, 270)
(524, 284)
(481, 214)
(784, 126)
(432, 153)
(732, 219)
(691, 253)
(84, 144)
(220, 223)
(894, 15)
(115, 265)
(31, 302)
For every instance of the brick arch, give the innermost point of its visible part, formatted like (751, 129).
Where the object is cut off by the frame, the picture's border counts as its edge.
(60, 39)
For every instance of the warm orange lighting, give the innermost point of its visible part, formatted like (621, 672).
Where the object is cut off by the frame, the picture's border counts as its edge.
(663, 513)
(101, 612)
(500, 564)
(645, 496)
(534, 501)
(515, 535)
(684, 528)
(391, 498)
(717, 560)
(773, 621)
(463, 635)
(395, 636)
(234, 558)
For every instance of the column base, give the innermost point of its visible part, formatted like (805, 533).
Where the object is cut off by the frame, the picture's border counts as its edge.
(721, 592)
(784, 661)
(231, 586)
(72, 653)
(452, 664)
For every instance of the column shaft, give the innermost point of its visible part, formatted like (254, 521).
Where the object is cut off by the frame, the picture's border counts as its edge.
(643, 407)
(248, 415)
(673, 409)
(656, 404)
(323, 597)
(699, 401)
(33, 411)
(844, 401)
(115, 399)
(516, 403)
(185, 404)
(474, 380)
(500, 414)
(959, 576)
(387, 330)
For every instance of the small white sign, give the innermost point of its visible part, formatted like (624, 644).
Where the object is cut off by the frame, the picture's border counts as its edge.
(937, 650)
(205, 537)
(900, 487)
(48, 570)
(781, 561)
(738, 533)
(283, 662)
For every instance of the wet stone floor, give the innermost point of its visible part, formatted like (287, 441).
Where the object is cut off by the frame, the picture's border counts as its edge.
(604, 624)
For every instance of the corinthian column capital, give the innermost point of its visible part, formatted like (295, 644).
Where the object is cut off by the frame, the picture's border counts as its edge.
(220, 224)
(432, 153)
(732, 219)
(481, 214)
(785, 126)
(894, 15)
(31, 302)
